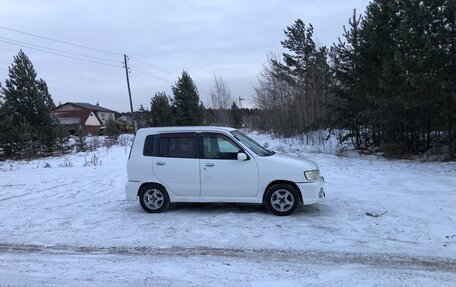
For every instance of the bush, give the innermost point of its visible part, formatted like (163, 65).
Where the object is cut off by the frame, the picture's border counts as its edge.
(81, 140)
(111, 132)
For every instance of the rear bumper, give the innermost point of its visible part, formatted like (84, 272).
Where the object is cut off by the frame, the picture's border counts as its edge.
(312, 192)
(131, 189)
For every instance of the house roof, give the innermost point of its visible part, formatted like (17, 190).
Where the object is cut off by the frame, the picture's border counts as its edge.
(87, 106)
(95, 108)
(75, 117)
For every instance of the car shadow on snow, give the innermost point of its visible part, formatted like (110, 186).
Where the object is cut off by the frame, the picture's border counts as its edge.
(238, 208)
(217, 208)
(313, 210)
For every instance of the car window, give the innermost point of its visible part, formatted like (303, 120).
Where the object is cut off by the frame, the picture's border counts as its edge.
(218, 146)
(251, 144)
(178, 145)
(149, 145)
(163, 147)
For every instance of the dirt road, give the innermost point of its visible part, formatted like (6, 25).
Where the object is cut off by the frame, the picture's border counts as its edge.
(37, 265)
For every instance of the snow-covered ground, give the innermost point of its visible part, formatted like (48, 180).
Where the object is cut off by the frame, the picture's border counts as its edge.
(64, 221)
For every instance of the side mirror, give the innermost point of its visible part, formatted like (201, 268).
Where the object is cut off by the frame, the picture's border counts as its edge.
(242, 156)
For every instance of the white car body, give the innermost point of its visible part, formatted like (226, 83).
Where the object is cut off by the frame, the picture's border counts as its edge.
(218, 180)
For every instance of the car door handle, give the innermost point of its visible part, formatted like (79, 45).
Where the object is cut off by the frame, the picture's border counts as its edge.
(209, 164)
(160, 163)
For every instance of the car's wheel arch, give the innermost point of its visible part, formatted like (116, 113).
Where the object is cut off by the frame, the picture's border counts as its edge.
(150, 184)
(274, 182)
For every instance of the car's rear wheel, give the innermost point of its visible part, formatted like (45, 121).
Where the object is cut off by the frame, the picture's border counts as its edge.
(153, 198)
(282, 199)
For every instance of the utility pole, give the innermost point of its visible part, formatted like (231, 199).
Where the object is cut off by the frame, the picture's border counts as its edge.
(240, 102)
(240, 109)
(129, 94)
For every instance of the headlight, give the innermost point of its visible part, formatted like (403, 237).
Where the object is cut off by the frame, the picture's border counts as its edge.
(312, 174)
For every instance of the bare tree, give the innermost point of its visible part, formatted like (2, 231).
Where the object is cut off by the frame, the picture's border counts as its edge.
(275, 97)
(293, 101)
(221, 101)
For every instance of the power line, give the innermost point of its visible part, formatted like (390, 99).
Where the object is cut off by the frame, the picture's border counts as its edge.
(81, 97)
(86, 93)
(152, 66)
(61, 42)
(78, 99)
(155, 77)
(66, 56)
(150, 75)
(62, 51)
(164, 71)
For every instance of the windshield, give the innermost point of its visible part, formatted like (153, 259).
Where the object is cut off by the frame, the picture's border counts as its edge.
(251, 144)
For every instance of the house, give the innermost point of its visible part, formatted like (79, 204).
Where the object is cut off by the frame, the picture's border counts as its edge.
(90, 117)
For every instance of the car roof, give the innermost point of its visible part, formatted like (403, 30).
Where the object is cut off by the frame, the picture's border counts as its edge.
(184, 129)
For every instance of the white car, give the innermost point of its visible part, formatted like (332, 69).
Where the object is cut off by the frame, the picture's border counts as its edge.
(216, 164)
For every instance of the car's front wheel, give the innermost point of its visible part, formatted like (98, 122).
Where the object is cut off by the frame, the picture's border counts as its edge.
(282, 199)
(153, 198)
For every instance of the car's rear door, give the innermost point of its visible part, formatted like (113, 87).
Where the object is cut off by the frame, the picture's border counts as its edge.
(176, 163)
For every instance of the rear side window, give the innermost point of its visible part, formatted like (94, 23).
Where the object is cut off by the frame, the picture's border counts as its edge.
(149, 145)
(163, 147)
(177, 145)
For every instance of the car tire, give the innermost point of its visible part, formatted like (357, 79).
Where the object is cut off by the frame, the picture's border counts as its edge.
(153, 198)
(282, 199)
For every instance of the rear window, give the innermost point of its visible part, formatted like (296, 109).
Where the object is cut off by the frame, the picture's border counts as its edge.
(178, 146)
(149, 145)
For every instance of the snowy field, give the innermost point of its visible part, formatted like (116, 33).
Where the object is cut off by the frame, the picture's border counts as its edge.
(64, 221)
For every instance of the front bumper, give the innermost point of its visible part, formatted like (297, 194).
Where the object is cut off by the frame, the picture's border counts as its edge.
(312, 192)
(131, 189)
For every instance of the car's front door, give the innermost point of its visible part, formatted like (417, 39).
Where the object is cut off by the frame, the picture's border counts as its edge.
(222, 174)
(176, 163)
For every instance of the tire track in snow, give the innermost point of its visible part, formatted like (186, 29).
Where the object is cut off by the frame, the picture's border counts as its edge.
(382, 260)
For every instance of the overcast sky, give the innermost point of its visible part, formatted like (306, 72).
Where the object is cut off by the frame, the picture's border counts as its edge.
(206, 38)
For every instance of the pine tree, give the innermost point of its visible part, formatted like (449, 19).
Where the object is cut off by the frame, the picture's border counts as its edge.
(7, 131)
(26, 140)
(447, 75)
(81, 140)
(188, 109)
(349, 107)
(112, 132)
(382, 76)
(26, 103)
(63, 140)
(161, 112)
(144, 116)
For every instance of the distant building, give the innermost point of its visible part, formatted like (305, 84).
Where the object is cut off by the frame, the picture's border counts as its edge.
(90, 117)
(125, 119)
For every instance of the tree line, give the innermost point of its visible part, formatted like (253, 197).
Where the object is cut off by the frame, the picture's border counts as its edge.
(184, 107)
(389, 80)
